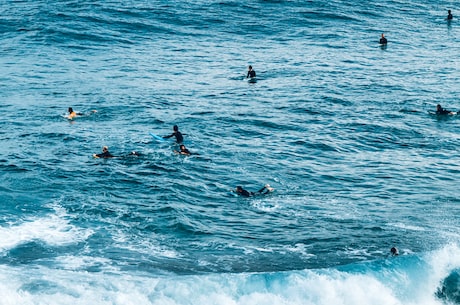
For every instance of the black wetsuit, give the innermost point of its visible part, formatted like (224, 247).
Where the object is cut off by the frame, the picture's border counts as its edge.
(105, 154)
(450, 17)
(443, 111)
(251, 74)
(178, 135)
(383, 40)
(245, 193)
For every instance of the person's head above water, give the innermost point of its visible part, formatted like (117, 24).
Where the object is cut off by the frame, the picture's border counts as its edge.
(183, 149)
(250, 67)
(70, 110)
(176, 128)
(239, 189)
(438, 107)
(394, 251)
(105, 148)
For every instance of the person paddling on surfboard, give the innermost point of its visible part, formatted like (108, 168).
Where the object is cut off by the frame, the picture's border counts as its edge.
(177, 134)
(265, 190)
(105, 153)
(184, 151)
(251, 73)
(440, 110)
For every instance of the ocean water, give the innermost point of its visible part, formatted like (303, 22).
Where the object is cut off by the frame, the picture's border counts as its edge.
(337, 124)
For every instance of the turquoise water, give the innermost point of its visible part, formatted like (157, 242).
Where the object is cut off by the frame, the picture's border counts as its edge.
(337, 124)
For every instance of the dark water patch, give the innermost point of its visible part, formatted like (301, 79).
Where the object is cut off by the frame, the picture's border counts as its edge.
(449, 290)
(29, 252)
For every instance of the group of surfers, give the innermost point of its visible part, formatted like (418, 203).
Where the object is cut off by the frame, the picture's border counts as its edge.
(105, 154)
(184, 151)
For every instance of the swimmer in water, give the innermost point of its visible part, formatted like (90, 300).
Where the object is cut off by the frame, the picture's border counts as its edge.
(73, 114)
(394, 251)
(440, 110)
(184, 151)
(176, 133)
(105, 153)
(265, 190)
(251, 73)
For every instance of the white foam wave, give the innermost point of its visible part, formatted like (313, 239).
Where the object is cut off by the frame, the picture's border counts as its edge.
(52, 229)
(396, 281)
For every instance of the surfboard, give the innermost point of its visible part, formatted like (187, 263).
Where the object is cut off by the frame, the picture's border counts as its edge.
(158, 138)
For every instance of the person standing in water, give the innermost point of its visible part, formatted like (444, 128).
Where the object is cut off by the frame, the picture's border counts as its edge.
(449, 15)
(251, 73)
(176, 133)
(383, 40)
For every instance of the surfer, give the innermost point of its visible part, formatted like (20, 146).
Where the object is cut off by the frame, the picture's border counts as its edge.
(176, 133)
(383, 40)
(449, 15)
(394, 251)
(73, 114)
(440, 110)
(251, 73)
(105, 153)
(184, 151)
(265, 190)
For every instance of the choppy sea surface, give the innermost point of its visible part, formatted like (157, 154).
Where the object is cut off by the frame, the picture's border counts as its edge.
(338, 124)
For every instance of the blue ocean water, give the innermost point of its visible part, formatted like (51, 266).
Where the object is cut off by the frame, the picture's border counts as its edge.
(336, 123)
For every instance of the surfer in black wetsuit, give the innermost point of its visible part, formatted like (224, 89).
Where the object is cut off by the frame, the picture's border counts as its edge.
(383, 40)
(440, 110)
(251, 73)
(394, 251)
(449, 15)
(105, 153)
(184, 151)
(265, 190)
(177, 134)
